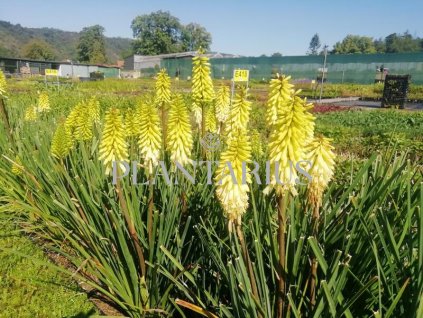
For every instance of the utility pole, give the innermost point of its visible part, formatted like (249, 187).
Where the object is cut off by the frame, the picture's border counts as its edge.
(323, 72)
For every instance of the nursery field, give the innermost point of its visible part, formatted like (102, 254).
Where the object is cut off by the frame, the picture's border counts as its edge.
(259, 89)
(311, 211)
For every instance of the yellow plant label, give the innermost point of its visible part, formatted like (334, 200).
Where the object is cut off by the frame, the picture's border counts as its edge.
(50, 72)
(241, 75)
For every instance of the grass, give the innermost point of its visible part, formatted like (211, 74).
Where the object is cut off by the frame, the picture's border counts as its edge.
(30, 289)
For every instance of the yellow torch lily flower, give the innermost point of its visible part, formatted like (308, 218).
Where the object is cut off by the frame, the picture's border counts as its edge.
(93, 106)
(320, 154)
(61, 144)
(150, 136)
(309, 123)
(72, 121)
(31, 113)
(162, 97)
(202, 84)
(211, 123)
(256, 144)
(3, 85)
(222, 103)
(291, 131)
(84, 127)
(80, 121)
(233, 194)
(239, 115)
(113, 147)
(197, 113)
(179, 141)
(43, 102)
(279, 96)
(131, 123)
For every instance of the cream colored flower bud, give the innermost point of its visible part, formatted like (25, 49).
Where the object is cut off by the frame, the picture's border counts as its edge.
(113, 147)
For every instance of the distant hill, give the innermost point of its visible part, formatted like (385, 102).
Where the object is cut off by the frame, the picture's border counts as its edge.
(14, 36)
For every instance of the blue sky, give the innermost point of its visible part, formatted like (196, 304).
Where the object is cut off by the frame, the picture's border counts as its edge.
(239, 26)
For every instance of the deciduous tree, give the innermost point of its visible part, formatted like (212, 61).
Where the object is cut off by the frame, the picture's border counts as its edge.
(38, 49)
(396, 43)
(355, 44)
(195, 36)
(91, 46)
(160, 33)
(156, 33)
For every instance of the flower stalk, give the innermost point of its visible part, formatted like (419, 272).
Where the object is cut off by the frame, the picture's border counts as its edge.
(162, 100)
(322, 158)
(149, 143)
(282, 202)
(202, 87)
(179, 142)
(291, 129)
(222, 105)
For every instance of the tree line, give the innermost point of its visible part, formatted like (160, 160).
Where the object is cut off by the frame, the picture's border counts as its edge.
(357, 44)
(155, 33)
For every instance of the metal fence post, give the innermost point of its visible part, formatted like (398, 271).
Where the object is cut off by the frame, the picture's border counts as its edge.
(323, 72)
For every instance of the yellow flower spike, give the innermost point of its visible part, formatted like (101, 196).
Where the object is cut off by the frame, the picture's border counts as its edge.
(84, 127)
(162, 97)
(88, 113)
(93, 106)
(240, 111)
(310, 128)
(233, 196)
(80, 121)
(222, 103)
(197, 113)
(43, 102)
(3, 85)
(320, 154)
(256, 144)
(179, 141)
(17, 167)
(291, 131)
(113, 147)
(202, 84)
(211, 123)
(162, 100)
(72, 120)
(31, 113)
(131, 123)
(150, 135)
(279, 96)
(61, 144)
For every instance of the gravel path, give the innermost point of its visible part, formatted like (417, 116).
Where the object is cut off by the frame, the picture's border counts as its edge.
(354, 101)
